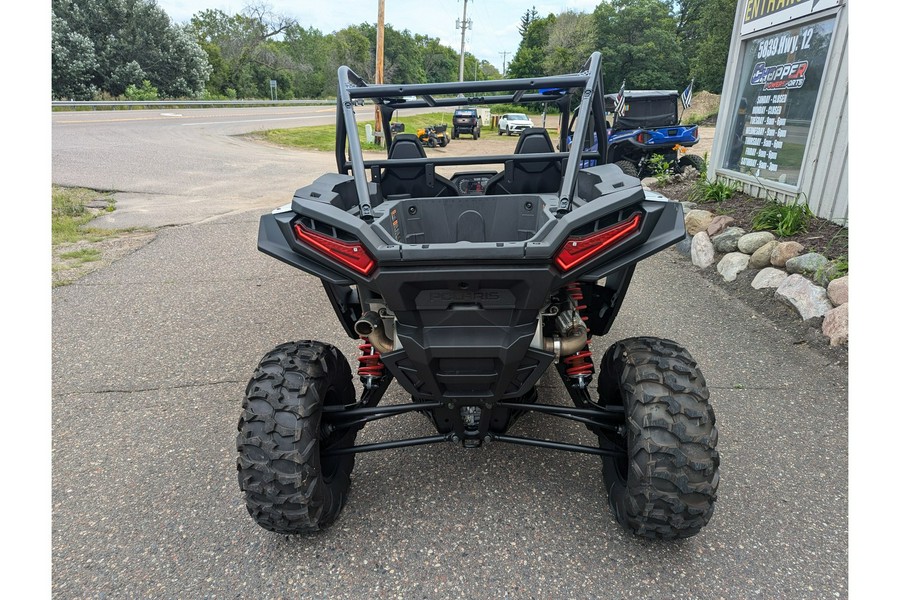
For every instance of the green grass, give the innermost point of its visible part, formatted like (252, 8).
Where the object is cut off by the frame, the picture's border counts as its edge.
(70, 215)
(83, 255)
(841, 266)
(322, 137)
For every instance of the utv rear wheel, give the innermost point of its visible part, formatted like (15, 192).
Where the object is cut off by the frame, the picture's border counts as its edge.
(665, 485)
(628, 167)
(289, 486)
(692, 160)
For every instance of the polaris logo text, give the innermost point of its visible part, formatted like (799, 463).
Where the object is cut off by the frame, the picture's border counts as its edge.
(450, 296)
(786, 76)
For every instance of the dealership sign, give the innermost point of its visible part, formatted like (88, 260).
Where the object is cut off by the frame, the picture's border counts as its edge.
(761, 14)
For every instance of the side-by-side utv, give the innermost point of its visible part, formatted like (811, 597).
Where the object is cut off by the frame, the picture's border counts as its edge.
(464, 290)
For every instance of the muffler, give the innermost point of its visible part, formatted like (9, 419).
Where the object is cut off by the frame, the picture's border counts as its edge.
(371, 327)
(574, 335)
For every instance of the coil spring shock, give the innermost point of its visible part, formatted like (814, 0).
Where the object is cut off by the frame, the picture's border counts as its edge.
(370, 364)
(580, 363)
(575, 293)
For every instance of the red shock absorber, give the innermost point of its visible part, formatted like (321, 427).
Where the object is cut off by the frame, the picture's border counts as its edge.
(370, 364)
(575, 293)
(579, 364)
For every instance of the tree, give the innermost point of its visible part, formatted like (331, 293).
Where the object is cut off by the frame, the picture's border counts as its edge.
(716, 22)
(529, 16)
(570, 41)
(308, 49)
(529, 58)
(74, 63)
(245, 48)
(118, 43)
(439, 62)
(639, 43)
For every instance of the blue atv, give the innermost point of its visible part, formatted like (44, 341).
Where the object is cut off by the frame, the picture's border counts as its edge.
(649, 126)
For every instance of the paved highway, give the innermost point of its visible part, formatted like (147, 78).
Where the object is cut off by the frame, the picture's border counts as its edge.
(151, 356)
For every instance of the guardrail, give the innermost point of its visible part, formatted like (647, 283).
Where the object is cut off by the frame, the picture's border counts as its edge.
(187, 103)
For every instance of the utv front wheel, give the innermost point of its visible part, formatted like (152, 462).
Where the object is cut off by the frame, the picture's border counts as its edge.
(665, 484)
(289, 486)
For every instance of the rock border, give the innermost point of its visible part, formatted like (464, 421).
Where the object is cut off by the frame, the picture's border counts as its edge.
(805, 282)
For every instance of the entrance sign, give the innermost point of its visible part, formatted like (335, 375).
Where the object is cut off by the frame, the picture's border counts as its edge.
(762, 14)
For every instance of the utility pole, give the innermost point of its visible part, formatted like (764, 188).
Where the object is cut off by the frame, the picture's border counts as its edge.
(464, 24)
(379, 68)
(504, 53)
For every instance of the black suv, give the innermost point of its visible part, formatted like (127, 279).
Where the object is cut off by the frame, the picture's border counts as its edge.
(465, 120)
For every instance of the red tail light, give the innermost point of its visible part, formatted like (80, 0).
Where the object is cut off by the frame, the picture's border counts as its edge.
(350, 254)
(579, 249)
(642, 137)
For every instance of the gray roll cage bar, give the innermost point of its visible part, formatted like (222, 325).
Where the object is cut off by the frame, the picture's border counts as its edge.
(353, 90)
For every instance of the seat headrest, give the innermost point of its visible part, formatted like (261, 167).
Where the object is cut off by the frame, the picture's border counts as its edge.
(534, 140)
(406, 145)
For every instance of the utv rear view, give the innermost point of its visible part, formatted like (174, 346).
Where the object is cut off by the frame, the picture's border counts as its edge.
(647, 126)
(465, 290)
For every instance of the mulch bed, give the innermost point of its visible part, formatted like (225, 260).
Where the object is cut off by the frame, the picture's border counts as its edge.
(821, 235)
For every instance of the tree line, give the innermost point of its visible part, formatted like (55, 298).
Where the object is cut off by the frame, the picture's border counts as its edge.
(103, 49)
(648, 44)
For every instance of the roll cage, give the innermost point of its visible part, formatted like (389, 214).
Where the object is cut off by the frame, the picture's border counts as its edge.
(561, 90)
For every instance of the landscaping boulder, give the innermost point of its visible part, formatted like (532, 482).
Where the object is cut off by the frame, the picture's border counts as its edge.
(807, 298)
(727, 241)
(807, 264)
(718, 225)
(697, 220)
(785, 251)
(751, 242)
(836, 325)
(762, 257)
(702, 252)
(732, 264)
(839, 290)
(770, 277)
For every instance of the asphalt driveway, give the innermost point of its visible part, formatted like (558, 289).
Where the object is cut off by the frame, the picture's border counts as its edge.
(150, 358)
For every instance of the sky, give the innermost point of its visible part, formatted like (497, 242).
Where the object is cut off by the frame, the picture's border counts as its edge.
(494, 22)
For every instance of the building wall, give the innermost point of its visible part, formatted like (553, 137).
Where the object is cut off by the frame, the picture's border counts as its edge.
(823, 177)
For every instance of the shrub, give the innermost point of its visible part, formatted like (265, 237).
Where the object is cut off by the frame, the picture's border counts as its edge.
(661, 169)
(784, 219)
(712, 191)
(145, 92)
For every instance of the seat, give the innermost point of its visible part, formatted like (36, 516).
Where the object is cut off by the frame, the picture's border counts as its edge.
(412, 182)
(528, 177)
